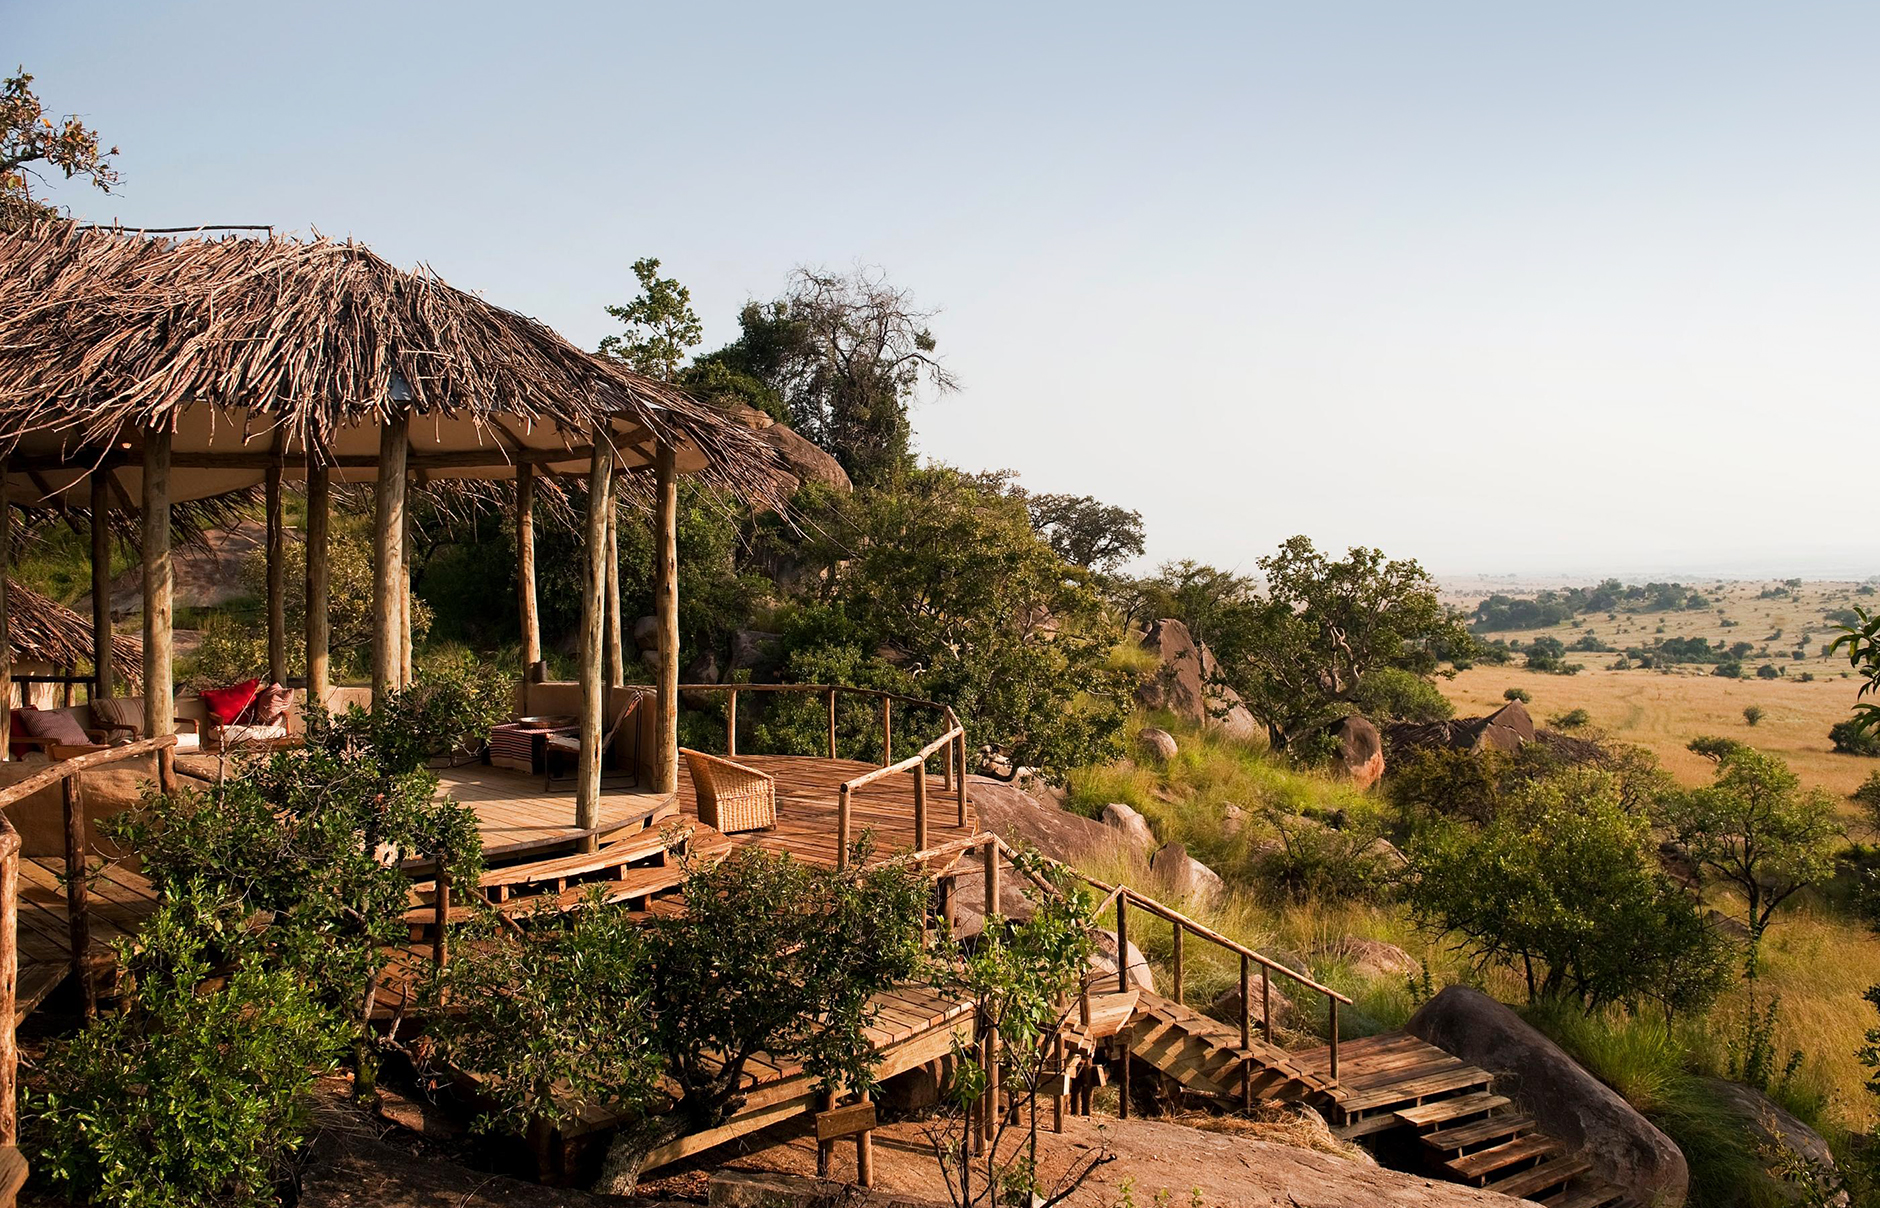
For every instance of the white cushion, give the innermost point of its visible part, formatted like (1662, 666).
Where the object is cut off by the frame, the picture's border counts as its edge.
(233, 735)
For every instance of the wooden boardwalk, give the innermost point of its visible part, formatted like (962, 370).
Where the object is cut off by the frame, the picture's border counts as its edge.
(120, 902)
(521, 820)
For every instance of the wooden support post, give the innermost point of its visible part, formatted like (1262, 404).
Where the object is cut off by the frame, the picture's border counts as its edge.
(959, 785)
(993, 887)
(103, 674)
(388, 556)
(993, 1087)
(666, 610)
(842, 827)
(6, 673)
(1333, 1004)
(1266, 1003)
(525, 567)
(406, 546)
(1246, 1031)
(9, 985)
(825, 1150)
(440, 915)
(981, 1111)
(1122, 1075)
(587, 793)
(1177, 962)
(277, 577)
(1057, 1099)
(887, 731)
(318, 623)
(731, 727)
(832, 723)
(1122, 943)
(159, 592)
(946, 768)
(865, 1155)
(77, 893)
(616, 665)
(920, 808)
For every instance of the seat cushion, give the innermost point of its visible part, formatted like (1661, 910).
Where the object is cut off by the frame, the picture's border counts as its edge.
(55, 725)
(269, 706)
(225, 705)
(119, 711)
(236, 735)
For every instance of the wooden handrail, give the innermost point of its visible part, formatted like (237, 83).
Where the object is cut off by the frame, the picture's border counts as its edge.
(13, 794)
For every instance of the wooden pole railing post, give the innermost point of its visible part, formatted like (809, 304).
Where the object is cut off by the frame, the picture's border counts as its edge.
(1333, 1003)
(993, 888)
(887, 731)
(1246, 1031)
(825, 1150)
(1177, 962)
(1122, 943)
(959, 784)
(865, 1154)
(842, 827)
(920, 808)
(78, 893)
(946, 768)
(1266, 1003)
(1058, 1088)
(832, 723)
(731, 725)
(440, 914)
(9, 984)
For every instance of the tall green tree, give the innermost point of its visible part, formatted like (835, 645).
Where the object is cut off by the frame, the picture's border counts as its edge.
(1300, 654)
(661, 325)
(30, 141)
(1758, 831)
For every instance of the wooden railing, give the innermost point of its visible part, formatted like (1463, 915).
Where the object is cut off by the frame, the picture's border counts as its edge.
(67, 775)
(951, 745)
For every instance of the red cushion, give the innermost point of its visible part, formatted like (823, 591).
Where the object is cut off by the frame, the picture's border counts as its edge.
(16, 726)
(226, 704)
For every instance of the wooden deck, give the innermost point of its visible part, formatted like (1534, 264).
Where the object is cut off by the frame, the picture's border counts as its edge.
(120, 902)
(521, 820)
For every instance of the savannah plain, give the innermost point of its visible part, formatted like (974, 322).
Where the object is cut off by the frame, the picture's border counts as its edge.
(1662, 710)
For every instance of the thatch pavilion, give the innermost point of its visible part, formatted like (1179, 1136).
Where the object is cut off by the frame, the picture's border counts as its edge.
(137, 374)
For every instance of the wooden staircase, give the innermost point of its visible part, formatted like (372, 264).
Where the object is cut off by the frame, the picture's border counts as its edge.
(1206, 1057)
(1466, 1132)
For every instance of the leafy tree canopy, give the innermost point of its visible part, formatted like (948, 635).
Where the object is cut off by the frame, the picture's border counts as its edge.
(661, 326)
(30, 140)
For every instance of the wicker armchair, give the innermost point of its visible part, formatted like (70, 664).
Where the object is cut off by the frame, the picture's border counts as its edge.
(731, 797)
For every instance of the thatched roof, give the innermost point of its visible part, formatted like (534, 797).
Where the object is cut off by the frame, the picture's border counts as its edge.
(251, 350)
(40, 631)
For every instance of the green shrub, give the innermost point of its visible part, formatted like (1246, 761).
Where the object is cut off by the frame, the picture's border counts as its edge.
(1752, 714)
(1850, 738)
(196, 1093)
(1572, 719)
(1520, 694)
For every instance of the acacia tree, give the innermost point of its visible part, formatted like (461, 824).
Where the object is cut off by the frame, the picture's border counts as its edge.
(1300, 654)
(841, 356)
(661, 325)
(1755, 829)
(30, 140)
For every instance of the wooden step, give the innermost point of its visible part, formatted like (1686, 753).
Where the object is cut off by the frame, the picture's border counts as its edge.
(1441, 1111)
(1599, 1195)
(1419, 1088)
(1366, 1126)
(1554, 1173)
(612, 857)
(1462, 1136)
(1483, 1163)
(12, 1173)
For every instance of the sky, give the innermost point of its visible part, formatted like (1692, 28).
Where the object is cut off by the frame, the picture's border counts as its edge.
(1547, 289)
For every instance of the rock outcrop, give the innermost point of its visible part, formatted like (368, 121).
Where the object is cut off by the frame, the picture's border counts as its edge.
(1227, 1006)
(1159, 743)
(1186, 878)
(1372, 959)
(1184, 682)
(755, 651)
(1130, 825)
(1506, 729)
(1569, 1104)
(802, 458)
(1016, 815)
(1775, 1130)
(1360, 749)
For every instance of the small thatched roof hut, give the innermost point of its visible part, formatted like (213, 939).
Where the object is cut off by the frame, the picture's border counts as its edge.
(44, 632)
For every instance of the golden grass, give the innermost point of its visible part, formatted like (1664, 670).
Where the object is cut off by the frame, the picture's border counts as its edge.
(1664, 712)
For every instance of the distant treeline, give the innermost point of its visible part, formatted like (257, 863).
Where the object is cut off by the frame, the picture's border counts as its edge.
(1500, 612)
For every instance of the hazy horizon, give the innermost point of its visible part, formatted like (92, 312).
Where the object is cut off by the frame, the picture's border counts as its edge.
(1580, 291)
